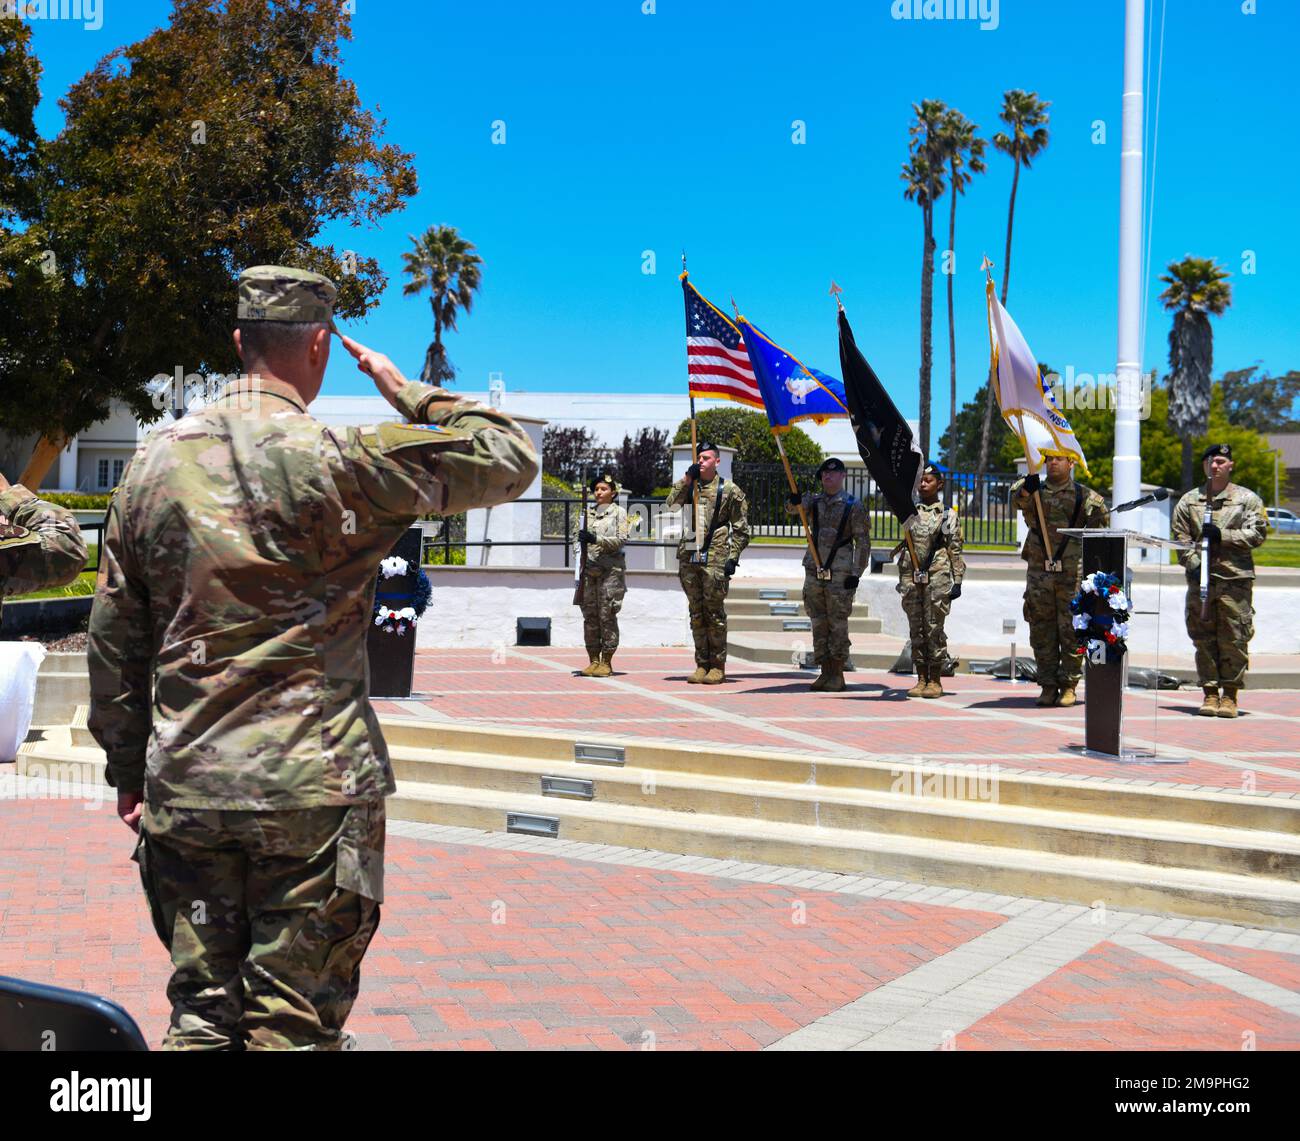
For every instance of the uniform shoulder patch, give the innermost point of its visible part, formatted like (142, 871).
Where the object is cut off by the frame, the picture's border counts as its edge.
(393, 437)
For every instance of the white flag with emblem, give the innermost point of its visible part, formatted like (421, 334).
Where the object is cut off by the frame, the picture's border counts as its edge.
(1023, 394)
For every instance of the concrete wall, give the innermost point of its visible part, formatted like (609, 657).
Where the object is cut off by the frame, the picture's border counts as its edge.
(473, 606)
(478, 606)
(511, 522)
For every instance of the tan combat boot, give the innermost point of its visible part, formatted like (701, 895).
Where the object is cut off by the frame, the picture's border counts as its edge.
(590, 671)
(922, 678)
(1228, 702)
(1048, 696)
(819, 683)
(717, 674)
(1210, 706)
(933, 687)
(834, 676)
(1068, 697)
(603, 666)
(701, 672)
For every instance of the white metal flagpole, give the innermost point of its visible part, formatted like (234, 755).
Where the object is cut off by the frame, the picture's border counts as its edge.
(1128, 369)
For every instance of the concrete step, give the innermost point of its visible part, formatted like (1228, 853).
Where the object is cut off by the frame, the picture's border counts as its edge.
(1163, 843)
(1125, 885)
(412, 736)
(1173, 851)
(880, 651)
(59, 693)
(793, 623)
(871, 649)
(894, 775)
(784, 607)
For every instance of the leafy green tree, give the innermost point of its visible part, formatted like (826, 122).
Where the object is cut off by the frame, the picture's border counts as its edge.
(751, 435)
(970, 419)
(1266, 404)
(446, 265)
(644, 461)
(1162, 447)
(568, 453)
(227, 138)
(1027, 117)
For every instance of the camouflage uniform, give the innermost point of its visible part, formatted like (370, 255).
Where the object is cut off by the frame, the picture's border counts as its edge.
(706, 586)
(936, 528)
(40, 544)
(237, 583)
(827, 602)
(1222, 640)
(1048, 593)
(604, 582)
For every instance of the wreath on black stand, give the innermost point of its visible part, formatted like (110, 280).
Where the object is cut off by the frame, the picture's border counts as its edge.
(396, 611)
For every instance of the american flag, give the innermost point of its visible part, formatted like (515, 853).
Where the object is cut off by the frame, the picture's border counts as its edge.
(717, 364)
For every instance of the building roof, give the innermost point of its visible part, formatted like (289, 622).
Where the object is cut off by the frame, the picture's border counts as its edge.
(1288, 443)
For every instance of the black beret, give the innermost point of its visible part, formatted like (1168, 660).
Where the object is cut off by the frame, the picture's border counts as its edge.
(708, 446)
(1224, 450)
(831, 464)
(930, 469)
(605, 477)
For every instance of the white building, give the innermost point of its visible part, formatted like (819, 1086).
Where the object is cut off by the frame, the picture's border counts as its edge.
(94, 461)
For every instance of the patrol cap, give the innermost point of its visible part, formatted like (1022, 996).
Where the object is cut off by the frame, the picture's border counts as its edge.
(1224, 450)
(282, 293)
(831, 464)
(605, 477)
(708, 446)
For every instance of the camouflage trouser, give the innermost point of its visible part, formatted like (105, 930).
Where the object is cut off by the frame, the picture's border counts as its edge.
(602, 599)
(1221, 641)
(925, 619)
(706, 594)
(828, 605)
(267, 916)
(1051, 625)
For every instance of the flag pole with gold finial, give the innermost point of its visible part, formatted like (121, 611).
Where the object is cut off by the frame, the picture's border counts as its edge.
(1048, 562)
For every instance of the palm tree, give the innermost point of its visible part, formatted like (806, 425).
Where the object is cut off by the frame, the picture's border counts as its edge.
(1197, 290)
(923, 173)
(1026, 115)
(965, 153)
(444, 263)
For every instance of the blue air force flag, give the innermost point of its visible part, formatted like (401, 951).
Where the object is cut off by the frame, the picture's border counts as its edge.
(791, 391)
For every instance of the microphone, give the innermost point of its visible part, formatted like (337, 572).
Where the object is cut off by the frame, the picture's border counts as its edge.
(1155, 497)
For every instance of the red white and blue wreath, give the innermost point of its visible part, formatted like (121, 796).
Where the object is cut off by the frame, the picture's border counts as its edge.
(396, 611)
(1101, 612)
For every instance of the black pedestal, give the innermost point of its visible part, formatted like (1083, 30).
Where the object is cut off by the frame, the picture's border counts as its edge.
(1103, 710)
(392, 658)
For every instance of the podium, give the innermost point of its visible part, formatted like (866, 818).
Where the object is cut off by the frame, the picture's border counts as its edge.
(1105, 683)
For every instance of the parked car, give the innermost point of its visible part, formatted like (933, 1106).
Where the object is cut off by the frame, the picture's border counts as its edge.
(1282, 521)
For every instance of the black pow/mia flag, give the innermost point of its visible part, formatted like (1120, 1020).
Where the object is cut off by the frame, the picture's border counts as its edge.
(885, 440)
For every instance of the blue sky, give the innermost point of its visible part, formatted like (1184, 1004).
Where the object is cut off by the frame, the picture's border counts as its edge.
(628, 132)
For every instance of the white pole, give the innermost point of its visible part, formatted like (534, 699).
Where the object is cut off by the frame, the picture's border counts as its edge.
(1128, 376)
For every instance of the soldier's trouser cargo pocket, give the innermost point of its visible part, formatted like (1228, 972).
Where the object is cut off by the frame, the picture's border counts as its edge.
(269, 916)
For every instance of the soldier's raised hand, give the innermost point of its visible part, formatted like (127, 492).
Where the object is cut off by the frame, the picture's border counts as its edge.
(387, 376)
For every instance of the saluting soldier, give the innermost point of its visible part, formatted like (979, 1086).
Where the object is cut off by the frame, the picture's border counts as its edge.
(228, 665)
(705, 575)
(603, 531)
(40, 543)
(1239, 523)
(841, 529)
(1054, 572)
(928, 594)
